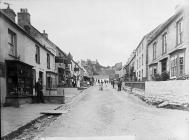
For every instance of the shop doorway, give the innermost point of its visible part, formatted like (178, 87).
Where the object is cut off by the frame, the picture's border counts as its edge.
(164, 65)
(41, 76)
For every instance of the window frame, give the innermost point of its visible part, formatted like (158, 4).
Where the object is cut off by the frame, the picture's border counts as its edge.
(37, 54)
(179, 31)
(154, 50)
(13, 43)
(164, 43)
(48, 61)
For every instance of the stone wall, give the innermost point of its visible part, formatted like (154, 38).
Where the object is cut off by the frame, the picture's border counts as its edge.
(172, 91)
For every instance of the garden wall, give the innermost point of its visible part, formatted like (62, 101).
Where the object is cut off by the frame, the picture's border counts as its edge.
(174, 91)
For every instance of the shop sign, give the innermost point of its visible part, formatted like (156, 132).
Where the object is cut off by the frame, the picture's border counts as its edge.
(2, 70)
(59, 59)
(76, 69)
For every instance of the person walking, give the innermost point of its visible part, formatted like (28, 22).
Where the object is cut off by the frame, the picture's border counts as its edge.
(113, 83)
(38, 89)
(120, 85)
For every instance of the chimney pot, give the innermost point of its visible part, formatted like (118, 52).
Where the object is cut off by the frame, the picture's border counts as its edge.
(23, 17)
(45, 34)
(10, 13)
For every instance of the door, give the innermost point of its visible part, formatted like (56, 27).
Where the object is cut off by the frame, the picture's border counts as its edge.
(41, 76)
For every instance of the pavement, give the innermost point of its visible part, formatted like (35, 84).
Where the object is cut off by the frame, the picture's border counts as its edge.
(13, 118)
(113, 113)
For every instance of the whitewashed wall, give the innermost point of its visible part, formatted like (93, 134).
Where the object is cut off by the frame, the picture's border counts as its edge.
(176, 90)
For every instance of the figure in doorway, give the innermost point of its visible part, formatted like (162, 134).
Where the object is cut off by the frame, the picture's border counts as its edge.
(39, 91)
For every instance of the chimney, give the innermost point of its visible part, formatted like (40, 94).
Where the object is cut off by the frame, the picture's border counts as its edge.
(10, 13)
(23, 17)
(178, 8)
(45, 34)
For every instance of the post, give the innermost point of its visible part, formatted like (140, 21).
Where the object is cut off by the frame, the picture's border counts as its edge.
(63, 96)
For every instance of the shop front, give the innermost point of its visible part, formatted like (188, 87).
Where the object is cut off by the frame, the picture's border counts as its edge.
(19, 81)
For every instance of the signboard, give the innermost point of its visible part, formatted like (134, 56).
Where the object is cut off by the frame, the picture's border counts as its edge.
(62, 60)
(76, 69)
(59, 59)
(2, 69)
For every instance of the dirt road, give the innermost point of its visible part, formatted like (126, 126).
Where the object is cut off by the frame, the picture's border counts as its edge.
(113, 113)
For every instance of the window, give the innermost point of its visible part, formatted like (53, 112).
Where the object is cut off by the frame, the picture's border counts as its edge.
(154, 51)
(142, 59)
(51, 81)
(139, 73)
(12, 43)
(181, 65)
(48, 61)
(164, 43)
(179, 32)
(142, 73)
(137, 63)
(37, 55)
(34, 76)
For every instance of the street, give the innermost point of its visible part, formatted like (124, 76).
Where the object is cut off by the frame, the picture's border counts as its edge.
(113, 113)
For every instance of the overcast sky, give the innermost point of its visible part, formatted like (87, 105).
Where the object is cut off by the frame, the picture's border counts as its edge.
(107, 30)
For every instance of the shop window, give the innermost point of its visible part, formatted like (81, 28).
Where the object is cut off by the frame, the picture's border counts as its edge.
(48, 61)
(179, 32)
(12, 42)
(51, 81)
(181, 65)
(37, 55)
(34, 76)
(164, 43)
(19, 79)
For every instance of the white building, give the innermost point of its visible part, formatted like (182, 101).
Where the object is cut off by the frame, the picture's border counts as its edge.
(22, 60)
(168, 48)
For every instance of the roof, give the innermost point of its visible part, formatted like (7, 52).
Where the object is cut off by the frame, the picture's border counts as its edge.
(159, 29)
(22, 30)
(61, 51)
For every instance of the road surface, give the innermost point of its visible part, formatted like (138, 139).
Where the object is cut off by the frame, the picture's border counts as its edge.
(113, 113)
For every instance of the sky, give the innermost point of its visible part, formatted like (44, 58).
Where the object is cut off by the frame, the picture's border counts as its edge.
(106, 30)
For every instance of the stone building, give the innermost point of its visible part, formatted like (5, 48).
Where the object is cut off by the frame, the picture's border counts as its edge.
(130, 68)
(168, 47)
(141, 59)
(61, 64)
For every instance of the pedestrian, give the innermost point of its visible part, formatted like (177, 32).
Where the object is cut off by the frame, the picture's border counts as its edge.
(101, 85)
(113, 83)
(98, 81)
(39, 91)
(120, 85)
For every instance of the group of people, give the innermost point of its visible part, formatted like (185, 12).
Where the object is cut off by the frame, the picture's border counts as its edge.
(119, 84)
(101, 81)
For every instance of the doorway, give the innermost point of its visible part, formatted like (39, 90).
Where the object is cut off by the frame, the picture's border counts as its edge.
(41, 76)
